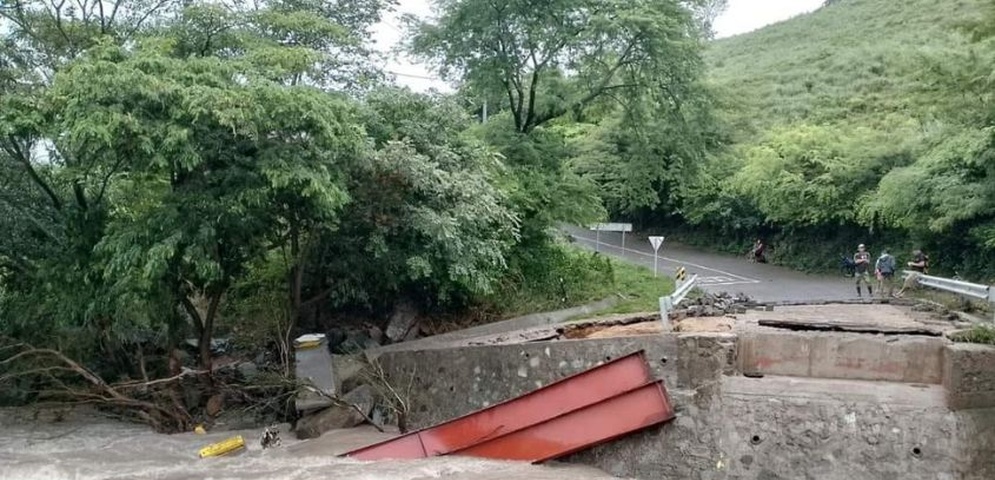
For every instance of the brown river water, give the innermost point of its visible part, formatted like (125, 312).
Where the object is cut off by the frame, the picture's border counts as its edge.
(85, 447)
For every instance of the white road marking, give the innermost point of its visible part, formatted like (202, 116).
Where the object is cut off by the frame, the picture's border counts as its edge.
(716, 281)
(741, 279)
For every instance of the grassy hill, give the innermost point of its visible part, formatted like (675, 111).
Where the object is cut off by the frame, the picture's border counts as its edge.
(864, 121)
(856, 61)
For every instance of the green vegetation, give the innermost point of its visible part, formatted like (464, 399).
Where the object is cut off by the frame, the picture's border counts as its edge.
(586, 277)
(638, 289)
(867, 121)
(176, 169)
(984, 334)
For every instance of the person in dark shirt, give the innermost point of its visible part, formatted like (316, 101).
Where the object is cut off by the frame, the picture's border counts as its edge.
(758, 252)
(920, 262)
(862, 265)
(919, 266)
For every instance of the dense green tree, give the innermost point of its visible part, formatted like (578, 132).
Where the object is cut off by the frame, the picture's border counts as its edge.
(427, 218)
(548, 59)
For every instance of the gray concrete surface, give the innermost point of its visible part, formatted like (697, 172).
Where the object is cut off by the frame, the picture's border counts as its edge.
(853, 356)
(517, 324)
(969, 375)
(720, 272)
(729, 426)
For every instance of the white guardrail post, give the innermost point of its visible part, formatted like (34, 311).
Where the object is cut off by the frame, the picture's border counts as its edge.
(973, 290)
(667, 303)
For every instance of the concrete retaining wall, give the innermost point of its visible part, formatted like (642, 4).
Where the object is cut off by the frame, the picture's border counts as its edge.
(969, 376)
(909, 359)
(452, 382)
(732, 427)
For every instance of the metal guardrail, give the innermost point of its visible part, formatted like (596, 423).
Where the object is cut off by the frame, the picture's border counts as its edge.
(959, 287)
(667, 303)
(967, 289)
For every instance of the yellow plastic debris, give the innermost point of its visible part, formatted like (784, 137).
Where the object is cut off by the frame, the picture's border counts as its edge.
(308, 341)
(307, 345)
(223, 447)
(199, 430)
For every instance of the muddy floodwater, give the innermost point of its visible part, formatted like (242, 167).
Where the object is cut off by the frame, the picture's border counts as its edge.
(86, 447)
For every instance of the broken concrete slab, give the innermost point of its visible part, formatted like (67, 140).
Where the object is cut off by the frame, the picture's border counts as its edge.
(314, 366)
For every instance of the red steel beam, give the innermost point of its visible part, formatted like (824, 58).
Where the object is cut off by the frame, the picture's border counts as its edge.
(601, 422)
(563, 396)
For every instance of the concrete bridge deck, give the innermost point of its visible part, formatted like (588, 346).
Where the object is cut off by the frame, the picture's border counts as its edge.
(753, 401)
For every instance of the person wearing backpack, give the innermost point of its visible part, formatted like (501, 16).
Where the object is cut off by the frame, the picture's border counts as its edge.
(884, 268)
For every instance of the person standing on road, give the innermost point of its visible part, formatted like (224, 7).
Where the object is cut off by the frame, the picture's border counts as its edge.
(758, 252)
(884, 267)
(862, 265)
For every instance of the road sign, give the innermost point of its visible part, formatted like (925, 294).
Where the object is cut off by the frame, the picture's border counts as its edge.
(656, 242)
(612, 227)
(681, 274)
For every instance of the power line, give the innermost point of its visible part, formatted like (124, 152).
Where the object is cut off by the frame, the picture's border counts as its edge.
(411, 75)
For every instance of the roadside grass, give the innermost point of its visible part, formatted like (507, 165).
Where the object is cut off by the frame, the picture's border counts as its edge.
(950, 301)
(638, 290)
(560, 277)
(575, 276)
(984, 334)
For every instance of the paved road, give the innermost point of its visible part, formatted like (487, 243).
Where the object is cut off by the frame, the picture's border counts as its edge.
(720, 272)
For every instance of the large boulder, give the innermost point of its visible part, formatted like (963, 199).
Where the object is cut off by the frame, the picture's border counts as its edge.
(349, 371)
(359, 404)
(402, 320)
(349, 340)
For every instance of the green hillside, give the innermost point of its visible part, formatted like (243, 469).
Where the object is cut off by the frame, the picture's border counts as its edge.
(856, 61)
(865, 121)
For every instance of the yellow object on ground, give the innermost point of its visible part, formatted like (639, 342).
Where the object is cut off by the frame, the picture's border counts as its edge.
(307, 345)
(223, 447)
(311, 340)
(199, 430)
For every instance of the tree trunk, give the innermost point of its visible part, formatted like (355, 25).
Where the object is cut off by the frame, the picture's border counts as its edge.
(207, 331)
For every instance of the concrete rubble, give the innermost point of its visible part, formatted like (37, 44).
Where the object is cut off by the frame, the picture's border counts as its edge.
(355, 407)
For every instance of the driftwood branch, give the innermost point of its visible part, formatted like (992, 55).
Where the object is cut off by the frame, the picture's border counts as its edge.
(101, 392)
(398, 400)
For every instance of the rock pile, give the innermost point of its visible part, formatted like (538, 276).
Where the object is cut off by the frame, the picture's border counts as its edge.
(714, 305)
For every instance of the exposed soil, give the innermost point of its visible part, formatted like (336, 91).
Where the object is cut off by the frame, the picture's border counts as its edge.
(654, 327)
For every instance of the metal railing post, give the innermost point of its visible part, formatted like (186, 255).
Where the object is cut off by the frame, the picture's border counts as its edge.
(667, 303)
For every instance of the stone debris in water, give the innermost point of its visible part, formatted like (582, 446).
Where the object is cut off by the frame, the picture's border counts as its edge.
(270, 437)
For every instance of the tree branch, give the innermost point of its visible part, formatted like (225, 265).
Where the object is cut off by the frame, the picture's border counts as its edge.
(192, 311)
(536, 67)
(143, 18)
(15, 151)
(148, 383)
(603, 86)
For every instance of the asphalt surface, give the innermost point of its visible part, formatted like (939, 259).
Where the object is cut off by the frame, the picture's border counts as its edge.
(719, 272)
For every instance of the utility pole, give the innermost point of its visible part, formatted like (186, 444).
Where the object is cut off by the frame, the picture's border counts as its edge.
(485, 113)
